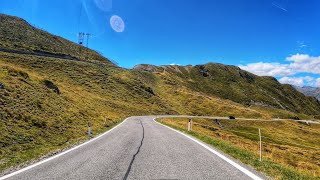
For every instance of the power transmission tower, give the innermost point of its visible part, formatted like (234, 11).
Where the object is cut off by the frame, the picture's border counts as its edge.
(81, 38)
(88, 35)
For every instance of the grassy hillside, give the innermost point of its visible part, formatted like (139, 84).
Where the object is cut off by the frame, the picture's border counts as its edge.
(46, 102)
(286, 153)
(17, 34)
(36, 120)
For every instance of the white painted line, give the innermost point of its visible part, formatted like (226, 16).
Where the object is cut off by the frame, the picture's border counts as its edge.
(58, 155)
(242, 169)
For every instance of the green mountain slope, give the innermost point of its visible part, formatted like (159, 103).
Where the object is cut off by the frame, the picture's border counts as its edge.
(230, 82)
(50, 88)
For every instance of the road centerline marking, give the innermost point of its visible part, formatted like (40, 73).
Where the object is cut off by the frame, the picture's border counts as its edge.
(134, 156)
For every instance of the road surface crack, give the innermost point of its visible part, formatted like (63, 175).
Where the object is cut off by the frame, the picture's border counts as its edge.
(134, 156)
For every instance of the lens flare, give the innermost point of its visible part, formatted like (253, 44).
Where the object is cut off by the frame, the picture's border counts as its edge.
(117, 23)
(104, 5)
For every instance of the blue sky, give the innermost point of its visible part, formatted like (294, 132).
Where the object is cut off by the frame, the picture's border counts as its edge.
(267, 37)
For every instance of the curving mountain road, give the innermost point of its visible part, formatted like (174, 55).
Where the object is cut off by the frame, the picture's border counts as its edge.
(138, 148)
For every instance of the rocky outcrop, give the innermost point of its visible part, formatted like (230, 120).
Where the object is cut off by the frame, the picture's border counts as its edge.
(52, 86)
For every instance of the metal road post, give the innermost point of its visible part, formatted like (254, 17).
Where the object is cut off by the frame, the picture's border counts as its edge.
(89, 130)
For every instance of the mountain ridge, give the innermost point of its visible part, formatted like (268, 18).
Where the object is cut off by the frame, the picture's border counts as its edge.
(225, 77)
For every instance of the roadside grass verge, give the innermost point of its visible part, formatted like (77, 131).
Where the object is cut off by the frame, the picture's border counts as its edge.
(20, 159)
(240, 148)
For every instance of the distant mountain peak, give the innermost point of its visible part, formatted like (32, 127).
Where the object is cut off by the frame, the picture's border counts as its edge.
(309, 91)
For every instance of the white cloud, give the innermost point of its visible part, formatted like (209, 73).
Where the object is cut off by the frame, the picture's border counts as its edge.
(268, 69)
(302, 63)
(301, 44)
(295, 64)
(298, 57)
(297, 81)
(308, 78)
(299, 63)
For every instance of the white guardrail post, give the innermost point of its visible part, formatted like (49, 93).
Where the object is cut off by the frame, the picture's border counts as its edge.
(260, 144)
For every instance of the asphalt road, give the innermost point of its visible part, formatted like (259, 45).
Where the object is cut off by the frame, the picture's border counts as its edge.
(139, 148)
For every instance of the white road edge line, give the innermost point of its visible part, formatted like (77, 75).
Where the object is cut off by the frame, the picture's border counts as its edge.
(60, 154)
(242, 169)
